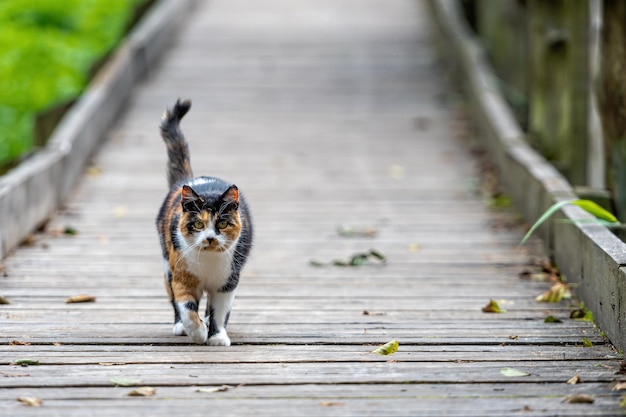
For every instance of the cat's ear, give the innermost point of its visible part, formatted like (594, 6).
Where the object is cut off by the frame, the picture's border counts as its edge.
(190, 200)
(231, 196)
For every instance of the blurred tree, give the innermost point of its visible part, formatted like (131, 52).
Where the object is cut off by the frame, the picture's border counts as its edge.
(612, 98)
(559, 83)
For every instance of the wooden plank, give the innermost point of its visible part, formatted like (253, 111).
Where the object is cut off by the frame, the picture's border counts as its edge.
(302, 400)
(295, 330)
(468, 306)
(300, 373)
(153, 354)
(448, 320)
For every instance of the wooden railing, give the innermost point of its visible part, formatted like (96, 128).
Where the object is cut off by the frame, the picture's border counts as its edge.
(570, 99)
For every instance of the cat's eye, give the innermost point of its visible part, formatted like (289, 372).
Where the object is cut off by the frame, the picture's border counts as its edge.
(198, 225)
(222, 224)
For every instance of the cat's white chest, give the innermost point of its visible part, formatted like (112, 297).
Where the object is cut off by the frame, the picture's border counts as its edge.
(212, 268)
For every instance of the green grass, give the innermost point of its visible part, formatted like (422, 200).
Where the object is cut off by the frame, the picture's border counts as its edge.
(602, 215)
(47, 49)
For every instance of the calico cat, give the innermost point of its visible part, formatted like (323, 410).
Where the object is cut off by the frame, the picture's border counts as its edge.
(205, 231)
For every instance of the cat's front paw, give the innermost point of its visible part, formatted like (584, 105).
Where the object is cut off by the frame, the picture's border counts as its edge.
(179, 329)
(198, 334)
(219, 339)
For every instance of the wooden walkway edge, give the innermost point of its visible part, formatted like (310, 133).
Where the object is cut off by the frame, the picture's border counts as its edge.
(533, 183)
(331, 116)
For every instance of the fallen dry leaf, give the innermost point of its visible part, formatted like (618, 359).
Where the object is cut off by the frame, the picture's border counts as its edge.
(540, 277)
(376, 254)
(574, 380)
(81, 298)
(552, 319)
(125, 382)
(54, 232)
(620, 386)
(142, 392)
(347, 231)
(512, 373)
(30, 401)
(25, 362)
(94, 171)
(579, 399)
(120, 212)
(493, 307)
(555, 294)
(582, 313)
(388, 348)
(331, 404)
(396, 172)
(212, 390)
(18, 343)
(4, 300)
(547, 267)
(9, 375)
(414, 247)
(70, 231)
(372, 313)
(30, 240)
(358, 259)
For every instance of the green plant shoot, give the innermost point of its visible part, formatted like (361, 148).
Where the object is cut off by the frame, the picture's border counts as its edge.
(602, 215)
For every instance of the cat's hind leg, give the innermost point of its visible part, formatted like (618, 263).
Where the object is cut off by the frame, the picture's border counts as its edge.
(178, 329)
(219, 312)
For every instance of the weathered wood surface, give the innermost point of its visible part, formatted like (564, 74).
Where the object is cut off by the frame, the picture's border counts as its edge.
(325, 113)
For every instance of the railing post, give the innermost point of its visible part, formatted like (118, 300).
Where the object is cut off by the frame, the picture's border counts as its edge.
(559, 80)
(503, 28)
(612, 98)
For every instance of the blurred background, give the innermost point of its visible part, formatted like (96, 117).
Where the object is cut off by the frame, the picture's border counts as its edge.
(49, 49)
(560, 65)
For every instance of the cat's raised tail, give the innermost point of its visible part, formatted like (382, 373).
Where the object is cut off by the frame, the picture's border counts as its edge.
(179, 164)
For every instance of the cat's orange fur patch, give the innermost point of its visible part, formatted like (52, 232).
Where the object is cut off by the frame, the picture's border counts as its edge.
(233, 231)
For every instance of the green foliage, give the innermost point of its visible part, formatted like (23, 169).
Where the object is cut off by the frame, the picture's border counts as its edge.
(16, 132)
(582, 313)
(596, 210)
(602, 216)
(47, 48)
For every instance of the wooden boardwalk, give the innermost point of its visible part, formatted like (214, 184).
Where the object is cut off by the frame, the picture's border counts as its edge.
(325, 113)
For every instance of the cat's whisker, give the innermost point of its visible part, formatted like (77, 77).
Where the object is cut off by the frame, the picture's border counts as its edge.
(184, 255)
